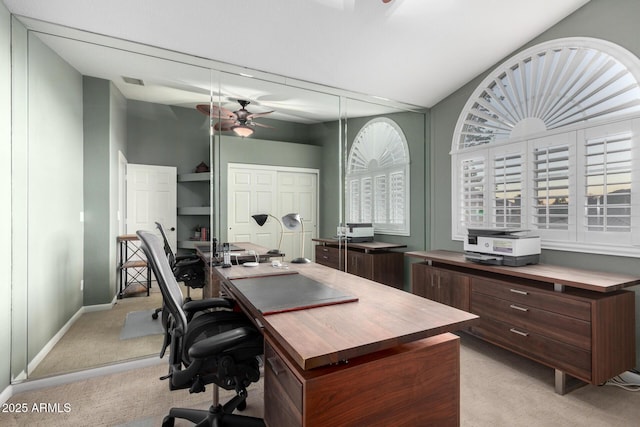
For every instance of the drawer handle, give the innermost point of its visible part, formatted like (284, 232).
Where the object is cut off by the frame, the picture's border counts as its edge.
(275, 364)
(515, 331)
(518, 291)
(515, 307)
(325, 257)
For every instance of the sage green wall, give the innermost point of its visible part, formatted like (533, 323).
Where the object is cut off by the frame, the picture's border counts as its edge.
(104, 127)
(96, 183)
(19, 205)
(55, 195)
(5, 195)
(598, 18)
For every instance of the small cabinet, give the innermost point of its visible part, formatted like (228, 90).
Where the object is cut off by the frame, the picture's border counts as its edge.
(371, 260)
(440, 285)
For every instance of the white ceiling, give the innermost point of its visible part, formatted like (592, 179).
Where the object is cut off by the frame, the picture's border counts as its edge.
(412, 51)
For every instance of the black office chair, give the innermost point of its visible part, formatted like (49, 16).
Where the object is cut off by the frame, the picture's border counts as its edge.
(215, 347)
(188, 268)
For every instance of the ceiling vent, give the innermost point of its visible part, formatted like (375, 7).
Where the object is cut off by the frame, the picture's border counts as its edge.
(133, 81)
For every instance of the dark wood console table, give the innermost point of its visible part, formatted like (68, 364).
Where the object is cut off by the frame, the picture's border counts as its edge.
(377, 261)
(581, 323)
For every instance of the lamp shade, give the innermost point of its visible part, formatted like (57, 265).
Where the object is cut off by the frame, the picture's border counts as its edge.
(242, 130)
(292, 221)
(260, 218)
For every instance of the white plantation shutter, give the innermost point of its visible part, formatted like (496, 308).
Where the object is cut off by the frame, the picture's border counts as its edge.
(608, 183)
(549, 142)
(367, 200)
(354, 200)
(398, 200)
(472, 197)
(379, 162)
(508, 187)
(551, 188)
(381, 194)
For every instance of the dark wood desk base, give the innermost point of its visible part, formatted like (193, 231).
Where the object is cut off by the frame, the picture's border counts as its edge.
(413, 384)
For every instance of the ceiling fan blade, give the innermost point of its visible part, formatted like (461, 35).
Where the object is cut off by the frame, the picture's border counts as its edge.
(254, 115)
(215, 111)
(260, 124)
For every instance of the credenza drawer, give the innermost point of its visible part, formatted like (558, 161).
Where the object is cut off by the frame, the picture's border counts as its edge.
(533, 297)
(559, 355)
(328, 256)
(553, 325)
(283, 391)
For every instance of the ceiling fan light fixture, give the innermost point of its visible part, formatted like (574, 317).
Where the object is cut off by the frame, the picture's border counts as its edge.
(242, 130)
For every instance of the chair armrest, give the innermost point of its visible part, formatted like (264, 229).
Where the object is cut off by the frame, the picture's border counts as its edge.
(220, 342)
(194, 306)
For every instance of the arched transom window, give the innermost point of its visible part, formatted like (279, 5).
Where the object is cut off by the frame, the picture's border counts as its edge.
(550, 142)
(378, 178)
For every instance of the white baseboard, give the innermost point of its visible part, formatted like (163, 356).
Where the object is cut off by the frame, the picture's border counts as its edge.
(6, 394)
(56, 380)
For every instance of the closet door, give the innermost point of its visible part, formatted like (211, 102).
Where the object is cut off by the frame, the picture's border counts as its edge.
(258, 189)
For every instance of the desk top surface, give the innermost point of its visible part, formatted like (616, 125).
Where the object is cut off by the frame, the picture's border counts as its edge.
(382, 318)
(598, 281)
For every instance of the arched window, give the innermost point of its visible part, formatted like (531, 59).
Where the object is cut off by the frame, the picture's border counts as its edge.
(378, 178)
(550, 142)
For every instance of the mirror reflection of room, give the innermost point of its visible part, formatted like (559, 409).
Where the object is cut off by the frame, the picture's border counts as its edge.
(150, 140)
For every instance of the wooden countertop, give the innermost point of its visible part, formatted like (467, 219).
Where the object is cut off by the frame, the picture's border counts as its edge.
(597, 281)
(382, 318)
(366, 246)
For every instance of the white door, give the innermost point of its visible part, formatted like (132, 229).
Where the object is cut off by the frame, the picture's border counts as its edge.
(298, 193)
(255, 189)
(151, 197)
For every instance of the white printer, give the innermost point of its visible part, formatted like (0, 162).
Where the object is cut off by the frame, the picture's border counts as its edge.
(356, 232)
(502, 246)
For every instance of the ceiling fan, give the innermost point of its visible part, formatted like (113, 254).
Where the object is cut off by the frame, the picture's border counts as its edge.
(239, 121)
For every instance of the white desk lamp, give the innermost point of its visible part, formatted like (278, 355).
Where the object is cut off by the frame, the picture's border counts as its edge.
(291, 221)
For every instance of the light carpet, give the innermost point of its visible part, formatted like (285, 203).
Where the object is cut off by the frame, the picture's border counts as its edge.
(497, 388)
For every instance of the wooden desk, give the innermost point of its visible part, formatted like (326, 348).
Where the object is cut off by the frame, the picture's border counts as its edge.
(386, 359)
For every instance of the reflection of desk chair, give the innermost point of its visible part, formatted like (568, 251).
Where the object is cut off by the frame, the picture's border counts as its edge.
(188, 269)
(219, 347)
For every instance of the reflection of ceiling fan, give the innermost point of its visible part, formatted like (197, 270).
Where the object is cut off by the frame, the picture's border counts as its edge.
(239, 121)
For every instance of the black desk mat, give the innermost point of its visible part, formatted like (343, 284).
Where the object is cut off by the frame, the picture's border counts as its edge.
(278, 294)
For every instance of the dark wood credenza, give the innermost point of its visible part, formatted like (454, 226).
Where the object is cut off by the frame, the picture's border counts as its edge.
(581, 323)
(377, 261)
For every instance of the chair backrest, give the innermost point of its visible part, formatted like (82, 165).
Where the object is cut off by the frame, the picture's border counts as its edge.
(168, 250)
(171, 292)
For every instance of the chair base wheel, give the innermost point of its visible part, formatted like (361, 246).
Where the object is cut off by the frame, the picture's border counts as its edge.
(168, 421)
